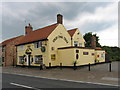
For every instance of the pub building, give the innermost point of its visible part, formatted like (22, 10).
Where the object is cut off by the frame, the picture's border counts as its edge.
(53, 45)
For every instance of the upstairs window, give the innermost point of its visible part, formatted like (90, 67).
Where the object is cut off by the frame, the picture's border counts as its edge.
(21, 47)
(37, 44)
(80, 44)
(75, 43)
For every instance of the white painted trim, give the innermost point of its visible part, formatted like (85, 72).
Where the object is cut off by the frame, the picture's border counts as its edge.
(27, 60)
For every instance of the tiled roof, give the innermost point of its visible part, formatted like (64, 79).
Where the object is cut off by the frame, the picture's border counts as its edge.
(9, 40)
(38, 34)
(98, 48)
(72, 31)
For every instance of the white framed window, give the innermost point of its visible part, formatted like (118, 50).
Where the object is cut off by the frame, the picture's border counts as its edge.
(38, 59)
(75, 43)
(102, 55)
(80, 44)
(21, 59)
(85, 53)
(21, 47)
(38, 44)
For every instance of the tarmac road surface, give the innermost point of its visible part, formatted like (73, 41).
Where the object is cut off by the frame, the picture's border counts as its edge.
(38, 83)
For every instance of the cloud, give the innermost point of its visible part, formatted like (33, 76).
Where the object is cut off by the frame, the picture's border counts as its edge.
(108, 14)
(90, 16)
(103, 21)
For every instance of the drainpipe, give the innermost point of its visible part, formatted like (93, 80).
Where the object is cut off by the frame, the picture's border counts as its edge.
(71, 41)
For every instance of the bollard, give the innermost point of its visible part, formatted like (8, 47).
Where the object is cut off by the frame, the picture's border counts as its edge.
(110, 68)
(61, 66)
(41, 68)
(89, 66)
(49, 65)
(74, 66)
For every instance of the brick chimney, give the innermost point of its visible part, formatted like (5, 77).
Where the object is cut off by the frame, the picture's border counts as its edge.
(28, 29)
(93, 41)
(59, 19)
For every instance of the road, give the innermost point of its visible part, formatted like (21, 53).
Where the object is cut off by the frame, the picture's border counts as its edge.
(37, 83)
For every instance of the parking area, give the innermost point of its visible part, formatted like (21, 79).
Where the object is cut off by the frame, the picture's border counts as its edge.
(98, 73)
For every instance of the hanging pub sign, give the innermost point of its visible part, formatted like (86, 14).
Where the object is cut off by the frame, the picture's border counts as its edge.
(60, 37)
(43, 49)
(28, 50)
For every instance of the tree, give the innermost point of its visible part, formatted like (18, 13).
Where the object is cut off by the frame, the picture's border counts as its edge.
(87, 38)
(112, 53)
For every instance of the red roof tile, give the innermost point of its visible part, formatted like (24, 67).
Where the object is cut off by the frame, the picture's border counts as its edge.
(72, 31)
(9, 40)
(98, 48)
(38, 34)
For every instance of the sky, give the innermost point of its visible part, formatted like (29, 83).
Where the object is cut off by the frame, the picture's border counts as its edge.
(97, 17)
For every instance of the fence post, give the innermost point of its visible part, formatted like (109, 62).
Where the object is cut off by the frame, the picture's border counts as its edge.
(61, 66)
(110, 67)
(89, 66)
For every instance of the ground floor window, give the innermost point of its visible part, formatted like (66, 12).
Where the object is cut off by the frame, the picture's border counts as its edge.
(53, 56)
(85, 53)
(3, 59)
(38, 59)
(21, 59)
(103, 55)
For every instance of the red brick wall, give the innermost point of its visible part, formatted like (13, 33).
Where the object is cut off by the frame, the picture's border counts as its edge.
(10, 52)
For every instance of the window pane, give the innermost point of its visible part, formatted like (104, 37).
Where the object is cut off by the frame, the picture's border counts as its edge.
(53, 57)
(21, 59)
(85, 53)
(38, 59)
(80, 44)
(75, 43)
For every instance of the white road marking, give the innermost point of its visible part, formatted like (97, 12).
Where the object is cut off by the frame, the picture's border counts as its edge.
(64, 79)
(21, 85)
(111, 79)
(24, 86)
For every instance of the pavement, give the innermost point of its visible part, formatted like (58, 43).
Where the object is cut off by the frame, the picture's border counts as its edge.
(99, 74)
(36, 83)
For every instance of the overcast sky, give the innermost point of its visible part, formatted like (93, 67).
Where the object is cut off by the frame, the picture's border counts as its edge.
(97, 17)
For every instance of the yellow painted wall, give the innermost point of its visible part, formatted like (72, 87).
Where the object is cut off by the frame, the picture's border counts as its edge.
(35, 51)
(100, 58)
(68, 56)
(79, 38)
(86, 59)
(60, 42)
